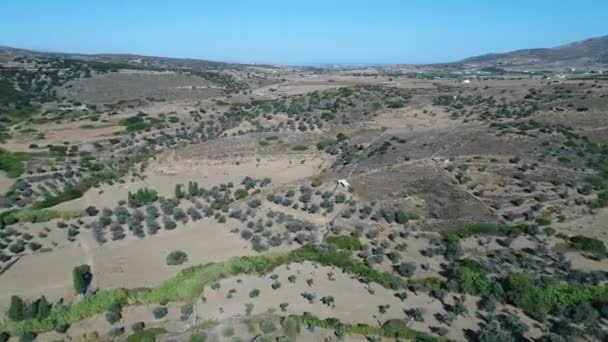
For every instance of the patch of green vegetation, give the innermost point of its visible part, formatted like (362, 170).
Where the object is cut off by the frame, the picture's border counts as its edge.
(142, 196)
(316, 182)
(70, 193)
(189, 283)
(543, 221)
(58, 151)
(35, 215)
(346, 242)
(299, 148)
(588, 244)
(12, 163)
(328, 116)
(87, 126)
(325, 143)
(176, 258)
(146, 335)
(387, 330)
(538, 297)
(602, 200)
(482, 229)
(140, 122)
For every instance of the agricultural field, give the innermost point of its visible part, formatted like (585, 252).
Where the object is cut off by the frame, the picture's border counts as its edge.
(161, 200)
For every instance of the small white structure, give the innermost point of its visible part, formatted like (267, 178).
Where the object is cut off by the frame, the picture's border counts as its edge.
(344, 183)
(466, 81)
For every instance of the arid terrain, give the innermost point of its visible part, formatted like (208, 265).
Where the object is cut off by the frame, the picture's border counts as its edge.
(158, 199)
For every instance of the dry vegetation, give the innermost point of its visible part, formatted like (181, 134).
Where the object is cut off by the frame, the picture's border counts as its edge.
(167, 201)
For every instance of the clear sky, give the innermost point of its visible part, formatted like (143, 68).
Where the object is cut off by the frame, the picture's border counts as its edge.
(300, 31)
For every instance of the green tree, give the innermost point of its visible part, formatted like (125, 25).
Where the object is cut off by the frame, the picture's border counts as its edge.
(16, 309)
(178, 191)
(159, 312)
(177, 258)
(82, 277)
(44, 308)
(494, 333)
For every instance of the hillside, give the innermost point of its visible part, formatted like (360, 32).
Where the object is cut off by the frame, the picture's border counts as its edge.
(591, 51)
(159, 199)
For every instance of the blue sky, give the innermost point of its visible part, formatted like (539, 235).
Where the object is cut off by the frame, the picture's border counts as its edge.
(300, 32)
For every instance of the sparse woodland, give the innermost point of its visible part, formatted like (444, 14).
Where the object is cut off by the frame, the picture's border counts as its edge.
(476, 211)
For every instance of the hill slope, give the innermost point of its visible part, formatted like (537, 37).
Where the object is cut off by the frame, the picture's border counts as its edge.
(585, 52)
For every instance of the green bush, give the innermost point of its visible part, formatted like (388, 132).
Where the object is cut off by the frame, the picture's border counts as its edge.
(198, 337)
(145, 335)
(117, 331)
(316, 182)
(267, 327)
(185, 311)
(160, 312)
(142, 196)
(27, 336)
(16, 309)
(345, 242)
(12, 163)
(82, 277)
(113, 317)
(543, 221)
(240, 193)
(602, 200)
(588, 244)
(299, 148)
(177, 258)
(138, 326)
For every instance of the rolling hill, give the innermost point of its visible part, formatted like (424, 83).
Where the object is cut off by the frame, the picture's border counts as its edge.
(591, 51)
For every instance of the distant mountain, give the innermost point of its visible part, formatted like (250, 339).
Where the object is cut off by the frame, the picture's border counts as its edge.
(9, 53)
(587, 52)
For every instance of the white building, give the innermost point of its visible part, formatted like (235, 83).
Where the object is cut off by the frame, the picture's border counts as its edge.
(344, 184)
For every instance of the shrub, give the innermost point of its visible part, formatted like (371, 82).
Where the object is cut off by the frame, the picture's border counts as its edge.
(406, 269)
(27, 336)
(543, 221)
(345, 242)
(185, 311)
(160, 312)
(198, 337)
(267, 327)
(62, 328)
(138, 326)
(12, 163)
(4, 336)
(240, 193)
(113, 317)
(254, 203)
(142, 196)
(91, 210)
(254, 293)
(588, 244)
(494, 333)
(176, 258)
(16, 309)
(82, 277)
(299, 148)
(169, 223)
(117, 331)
